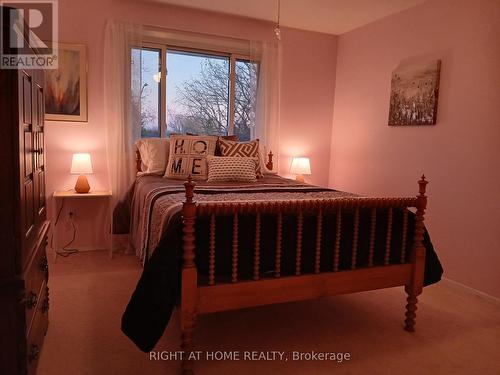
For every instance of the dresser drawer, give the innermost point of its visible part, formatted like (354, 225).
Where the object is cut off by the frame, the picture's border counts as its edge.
(36, 275)
(37, 332)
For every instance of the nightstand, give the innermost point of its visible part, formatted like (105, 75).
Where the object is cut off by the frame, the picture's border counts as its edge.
(60, 196)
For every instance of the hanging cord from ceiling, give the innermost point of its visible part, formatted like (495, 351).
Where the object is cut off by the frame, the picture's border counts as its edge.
(277, 30)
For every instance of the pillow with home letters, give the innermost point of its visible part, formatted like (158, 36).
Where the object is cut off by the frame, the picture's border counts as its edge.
(188, 156)
(242, 149)
(228, 168)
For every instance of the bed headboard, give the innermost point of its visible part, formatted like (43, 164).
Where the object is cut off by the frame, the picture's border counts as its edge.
(269, 164)
(138, 161)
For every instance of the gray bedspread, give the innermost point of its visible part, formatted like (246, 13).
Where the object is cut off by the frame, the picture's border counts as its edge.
(156, 200)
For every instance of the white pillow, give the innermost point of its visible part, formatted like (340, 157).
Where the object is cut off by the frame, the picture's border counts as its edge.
(231, 168)
(263, 162)
(154, 154)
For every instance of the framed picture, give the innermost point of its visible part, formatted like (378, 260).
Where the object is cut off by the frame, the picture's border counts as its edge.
(66, 87)
(414, 94)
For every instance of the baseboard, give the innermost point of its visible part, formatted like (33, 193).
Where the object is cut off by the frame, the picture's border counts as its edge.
(469, 289)
(90, 248)
(81, 249)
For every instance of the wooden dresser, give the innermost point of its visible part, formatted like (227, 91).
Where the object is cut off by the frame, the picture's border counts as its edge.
(24, 298)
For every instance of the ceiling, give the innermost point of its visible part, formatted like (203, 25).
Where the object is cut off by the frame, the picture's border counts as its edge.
(327, 16)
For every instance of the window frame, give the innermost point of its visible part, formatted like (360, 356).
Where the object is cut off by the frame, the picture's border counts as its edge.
(165, 47)
(163, 92)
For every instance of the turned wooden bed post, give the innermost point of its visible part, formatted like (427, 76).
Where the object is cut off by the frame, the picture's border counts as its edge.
(414, 288)
(189, 277)
(138, 161)
(269, 164)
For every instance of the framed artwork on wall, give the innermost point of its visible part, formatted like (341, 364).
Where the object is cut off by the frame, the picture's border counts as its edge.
(66, 87)
(414, 94)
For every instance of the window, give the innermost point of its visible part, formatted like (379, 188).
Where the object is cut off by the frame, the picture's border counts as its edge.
(197, 93)
(146, 89)
(244, 98)
(203, 93)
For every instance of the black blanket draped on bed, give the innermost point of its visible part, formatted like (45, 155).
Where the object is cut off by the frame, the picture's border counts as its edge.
(158, 289)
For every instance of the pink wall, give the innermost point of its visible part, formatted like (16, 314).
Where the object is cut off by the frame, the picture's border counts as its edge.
(460, 155)
(307, 93)
(309, 61)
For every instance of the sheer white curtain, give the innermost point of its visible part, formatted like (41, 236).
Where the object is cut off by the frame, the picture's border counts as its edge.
(267, 106)
(121, 79)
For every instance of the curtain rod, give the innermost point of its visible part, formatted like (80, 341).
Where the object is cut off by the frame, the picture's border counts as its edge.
(198, 34)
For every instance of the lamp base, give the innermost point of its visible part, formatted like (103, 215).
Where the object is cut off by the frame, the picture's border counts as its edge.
(82, 185)
(300, 178)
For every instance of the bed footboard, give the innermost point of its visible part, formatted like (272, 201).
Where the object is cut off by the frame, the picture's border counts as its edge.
(236, 293)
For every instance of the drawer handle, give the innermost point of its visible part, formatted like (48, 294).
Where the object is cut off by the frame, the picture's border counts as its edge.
(30, 301)
(34, 353)
(45, 305)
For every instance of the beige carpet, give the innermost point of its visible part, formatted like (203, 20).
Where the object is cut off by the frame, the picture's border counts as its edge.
(458, 331)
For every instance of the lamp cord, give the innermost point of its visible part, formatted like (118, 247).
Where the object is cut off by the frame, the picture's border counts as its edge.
(65, 251)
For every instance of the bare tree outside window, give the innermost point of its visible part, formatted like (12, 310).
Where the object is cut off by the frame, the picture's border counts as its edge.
(199, 103)
(197, 95)
(245, 98)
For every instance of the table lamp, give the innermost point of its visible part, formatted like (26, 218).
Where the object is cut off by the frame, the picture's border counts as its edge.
(81, 165)
(300, 167)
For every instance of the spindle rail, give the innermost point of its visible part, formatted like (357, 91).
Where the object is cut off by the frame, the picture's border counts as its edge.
(221, 296)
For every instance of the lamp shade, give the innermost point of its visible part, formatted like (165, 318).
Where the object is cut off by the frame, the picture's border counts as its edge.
(81, 164)
(300, 166)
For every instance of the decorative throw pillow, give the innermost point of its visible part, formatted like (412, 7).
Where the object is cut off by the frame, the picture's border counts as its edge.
(224, 168)
(242, 149)
(231, 137)
(226, 138)
(154, 154)
(188, 156)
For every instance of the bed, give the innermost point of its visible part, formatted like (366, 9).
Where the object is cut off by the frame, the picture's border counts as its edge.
(210, 247)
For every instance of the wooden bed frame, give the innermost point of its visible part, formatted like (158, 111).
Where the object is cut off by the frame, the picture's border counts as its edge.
(199, 299)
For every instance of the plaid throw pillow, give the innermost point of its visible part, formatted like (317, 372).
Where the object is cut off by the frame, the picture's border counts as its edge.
(242, 149)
